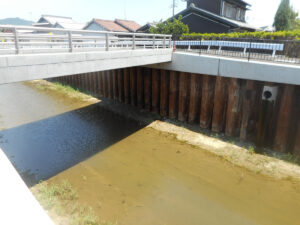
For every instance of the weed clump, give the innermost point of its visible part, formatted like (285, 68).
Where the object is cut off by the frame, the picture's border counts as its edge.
(61, 202)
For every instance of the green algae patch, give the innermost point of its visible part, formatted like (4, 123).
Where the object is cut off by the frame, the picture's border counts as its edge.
(61, 202)
(64, 90)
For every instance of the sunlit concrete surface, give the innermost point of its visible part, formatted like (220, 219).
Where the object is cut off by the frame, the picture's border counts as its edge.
(17, 204)
(232, 67)
(16, 68)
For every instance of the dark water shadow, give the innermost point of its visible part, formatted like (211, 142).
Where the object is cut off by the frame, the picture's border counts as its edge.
(44, 148)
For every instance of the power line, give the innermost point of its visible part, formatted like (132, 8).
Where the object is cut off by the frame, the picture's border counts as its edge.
(175, 4)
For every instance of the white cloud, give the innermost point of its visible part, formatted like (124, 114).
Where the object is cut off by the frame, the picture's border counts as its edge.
(262, 12)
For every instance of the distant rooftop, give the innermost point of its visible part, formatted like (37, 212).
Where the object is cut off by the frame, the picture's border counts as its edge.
(74, 25)
(55, 19)
(109, 25)
(128, 24)
(60, 21)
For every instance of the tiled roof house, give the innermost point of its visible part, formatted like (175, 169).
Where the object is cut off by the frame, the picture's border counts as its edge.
(130, 25)
(110, 25)
(58, 22)
(213, 16)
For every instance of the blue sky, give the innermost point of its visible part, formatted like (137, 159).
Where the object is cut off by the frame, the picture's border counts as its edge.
(142, 11)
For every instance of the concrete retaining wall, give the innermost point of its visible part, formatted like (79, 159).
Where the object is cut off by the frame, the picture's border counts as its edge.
(231, 67)
(17, 204)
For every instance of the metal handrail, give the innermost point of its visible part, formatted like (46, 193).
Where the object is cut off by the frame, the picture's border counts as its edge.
(277, 50)
(80, 31)
(70, 37)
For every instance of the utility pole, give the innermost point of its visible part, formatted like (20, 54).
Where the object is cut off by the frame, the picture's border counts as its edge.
(125, 9)
(174, 5)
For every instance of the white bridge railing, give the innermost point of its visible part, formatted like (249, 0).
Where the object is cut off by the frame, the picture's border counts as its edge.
(25, 39)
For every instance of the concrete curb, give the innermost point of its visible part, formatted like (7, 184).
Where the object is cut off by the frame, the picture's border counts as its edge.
(17, 204)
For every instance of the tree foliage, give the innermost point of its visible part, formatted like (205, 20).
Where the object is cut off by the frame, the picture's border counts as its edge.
(296, 24)
(171, 26)
(278, 35)
(286, 17)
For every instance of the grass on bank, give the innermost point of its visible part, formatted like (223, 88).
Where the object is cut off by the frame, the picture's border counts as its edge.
(57, 87)
(61, 202)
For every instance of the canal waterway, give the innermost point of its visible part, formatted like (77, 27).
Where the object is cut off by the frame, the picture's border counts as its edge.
(130, 173)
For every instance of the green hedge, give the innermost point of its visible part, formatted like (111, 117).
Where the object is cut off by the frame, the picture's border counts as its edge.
(279, 35)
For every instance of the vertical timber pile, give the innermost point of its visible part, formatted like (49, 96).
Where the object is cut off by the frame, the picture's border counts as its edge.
(249, 95)
(155, 90)
(121, 85)
(115, 85)
(220, 103)
(282, 130)
(100, 84)
(147, 88)
(164, 93)
(104, 84)
(173, 95)
(224, 105)
(296, 148)
(109, 84)
(233, 109)
(207, 101)
(183, 96)
(133, 86)
(140, 88)
(195, 98)
(126, 85)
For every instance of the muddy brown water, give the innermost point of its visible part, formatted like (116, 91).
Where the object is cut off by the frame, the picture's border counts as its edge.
(132, 174)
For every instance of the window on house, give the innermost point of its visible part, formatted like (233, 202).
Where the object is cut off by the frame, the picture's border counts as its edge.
(243, 14)
(238, 14)
(233, 12)
(228, 8)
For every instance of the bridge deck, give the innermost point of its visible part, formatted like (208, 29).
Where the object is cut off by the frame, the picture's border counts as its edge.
(28, 53)
(16, 68)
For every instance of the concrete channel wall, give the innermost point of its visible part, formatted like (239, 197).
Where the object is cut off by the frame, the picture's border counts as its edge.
(17, 204)
(233, 106)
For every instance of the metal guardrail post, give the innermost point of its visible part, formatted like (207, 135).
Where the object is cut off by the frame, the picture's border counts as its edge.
(133, 42)
(107, 42)
(249, 55)
(164, 42)
(16, 36)
(70, 41)
(170, 42)
(200, 46)
(153, 42)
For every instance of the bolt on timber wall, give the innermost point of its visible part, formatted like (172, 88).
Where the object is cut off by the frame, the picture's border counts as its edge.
(224, 105)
